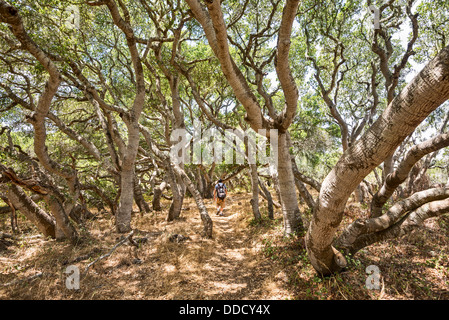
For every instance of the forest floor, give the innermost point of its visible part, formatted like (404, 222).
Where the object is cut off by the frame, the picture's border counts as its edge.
(244, 260)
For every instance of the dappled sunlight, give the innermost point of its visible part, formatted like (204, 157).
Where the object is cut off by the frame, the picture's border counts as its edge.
(243, 261)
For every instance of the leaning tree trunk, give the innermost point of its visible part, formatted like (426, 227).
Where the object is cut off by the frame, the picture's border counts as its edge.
(63, 222)
(207, 183)
(131, 119)
(399, 175)
(43, 221)
(10, 15)
(397, 221)
(276, 187)
(199, 180)
(428, 90)
(205, 218)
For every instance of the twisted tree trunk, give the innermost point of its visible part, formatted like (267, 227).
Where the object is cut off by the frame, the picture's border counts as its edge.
(362, 231)
(10, 15)
(428, 90)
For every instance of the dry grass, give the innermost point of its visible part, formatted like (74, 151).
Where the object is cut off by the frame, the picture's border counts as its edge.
(244, 260)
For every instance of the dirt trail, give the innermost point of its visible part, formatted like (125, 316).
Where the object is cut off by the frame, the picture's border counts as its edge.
(233, 271)
(233, 268)
(229, 266)
(242, 261)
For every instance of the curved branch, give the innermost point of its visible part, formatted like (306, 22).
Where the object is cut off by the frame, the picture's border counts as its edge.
(425, 93)
(411, 221)
(282, 63)
(214, 27)
(399, 175)
(360, 228)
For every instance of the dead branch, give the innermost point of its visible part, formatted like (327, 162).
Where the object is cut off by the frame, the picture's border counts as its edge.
(17, 281)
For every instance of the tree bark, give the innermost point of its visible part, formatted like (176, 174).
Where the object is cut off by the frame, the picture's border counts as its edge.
(276, 187)
(156, 203)
(124, 211)
(428, 90)
(361, 227)
(139, 199)
(10, 15)
(63, 222)
(131, 119)
(267, 195)
(290, 210)
(404, 226)
(205, 218)
(178, 195)
(399, 175)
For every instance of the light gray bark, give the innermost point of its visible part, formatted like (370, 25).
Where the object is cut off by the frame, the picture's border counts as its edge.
(350, 238)
(178, 195)
(156, 203)
(62, 220)
(10, 15)
(267, 195)
(290, 210)
(399, 175)
(139, 199)
(428, 90)
(212, 21)
(405, 225)
(255, 191)
(205, 218)
(131, 119)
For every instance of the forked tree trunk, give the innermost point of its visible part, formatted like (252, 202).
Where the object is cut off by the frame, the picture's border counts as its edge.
(43, 221)
(205, 218)
(214, 26)
(428, 90)
(139, 199)
(131, 119)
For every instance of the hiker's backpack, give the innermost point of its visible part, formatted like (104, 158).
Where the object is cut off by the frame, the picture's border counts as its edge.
(221, 193)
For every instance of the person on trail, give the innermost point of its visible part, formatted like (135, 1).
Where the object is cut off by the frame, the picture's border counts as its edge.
(220, 193)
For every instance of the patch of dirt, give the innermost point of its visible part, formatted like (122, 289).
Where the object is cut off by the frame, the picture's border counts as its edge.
(244, 260)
